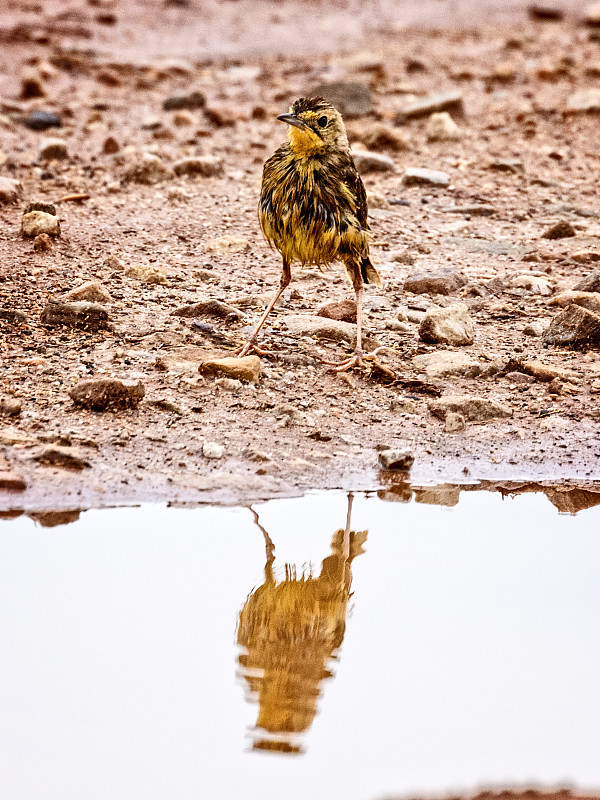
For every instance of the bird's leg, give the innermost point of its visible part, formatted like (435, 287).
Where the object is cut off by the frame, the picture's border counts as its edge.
(250, 344)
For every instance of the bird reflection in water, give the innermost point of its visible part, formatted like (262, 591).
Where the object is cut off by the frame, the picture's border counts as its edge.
(288, 631)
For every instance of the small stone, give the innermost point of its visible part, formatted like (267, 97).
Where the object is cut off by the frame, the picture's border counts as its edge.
(92, 291)
(574, 327)
(553, 12)
(433, 103)
(42, 243)
(220, 115)
(441, 127)
(32, 85)
(444, 282)
(544, 372)
(584, 101)
(228, 244)
(589, 300)
(560, 230)
(589, 284)
(415, 176)
(376, 200)
(230, 384)
(454, 422)
(403, 405)
(591, 15)
(533, 284)
(84, 315)
(10, 406)
(585, 256)
(108, 77)
(213, 450)
(534, 329)
(147, 274)
(205, 166)
(12, 482)
(182, 119)
(519, 378)
(41, 120)
(342, 311)
(243, 369)
(101, 394)
(320, 328)
(451, 326)
(191, 100)
(446, 363)
(351, 98)
(110, 146)
(209, 308)
(67, 457)
(36, 222)
(12, 315)
(53, 149)
(41, 205)
(10, 190)
(149, 169)
(511, 165)
(401, 460)
(471, 407)
(383, 137)
(367, 161)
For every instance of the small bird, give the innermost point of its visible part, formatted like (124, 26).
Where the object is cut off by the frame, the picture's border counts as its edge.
(313, 207)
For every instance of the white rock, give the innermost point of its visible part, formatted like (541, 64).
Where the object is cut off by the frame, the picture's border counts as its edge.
(36, 222)
(591, 14)
(213, 450)
(446, 363)
(583, 101)
(533, 284)
(451, 325)
(441, 127)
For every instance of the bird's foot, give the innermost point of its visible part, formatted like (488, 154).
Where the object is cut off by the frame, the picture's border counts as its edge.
(357, 359)
(251, 347)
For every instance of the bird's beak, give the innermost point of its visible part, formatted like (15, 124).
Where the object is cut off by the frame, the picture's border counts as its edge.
(292, 119)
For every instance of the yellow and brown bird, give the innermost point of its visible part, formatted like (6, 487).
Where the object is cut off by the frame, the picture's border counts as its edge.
(313, 207)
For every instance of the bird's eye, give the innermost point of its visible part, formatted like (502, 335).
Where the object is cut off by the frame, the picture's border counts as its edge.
(322, 122)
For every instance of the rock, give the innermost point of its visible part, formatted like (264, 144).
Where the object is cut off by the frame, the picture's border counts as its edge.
(41, 120)
(341, 311)
(574, 327)
(53, 149)
(213, 450)
(451, 325)
(584, 101)
(534, 329)
(93, 291)
(209, 308)
(12, 482)
(228, 244)
(102, 394)
(67, 457)
(183, 118)
(585, 256)
(397, 459)
(149, 169)
(10, 406)
(560, 230)
(443, 282)
(351, 98)
(446, 363)
(383, 137)
(589, 284)
(433, 103)
(454, 423)
(472, 211)
(190, 101)
(589, 300)
(403, 405)
(110, 146)
(41, 205)
(84, 315)
(591, 15)
(511, 165)
(242, 369)
(229, 384)
(13, 316)
(470, 407)
(36, 222)
(376, 200)
(367, 161)
(42, 243)
(32, 85)
(544, 372)
(147, 274)
(206, 166)
(320, 327)
(441, 127)
(533, 284)
(10, 190)
(552, 12)
(519, 378)
(415, 176)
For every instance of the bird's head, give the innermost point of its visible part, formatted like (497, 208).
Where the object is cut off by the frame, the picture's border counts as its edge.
(315, 125)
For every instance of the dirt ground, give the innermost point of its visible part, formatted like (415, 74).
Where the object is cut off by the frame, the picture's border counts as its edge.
(106, 69)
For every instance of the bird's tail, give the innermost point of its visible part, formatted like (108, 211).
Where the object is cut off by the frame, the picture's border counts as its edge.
(369, 273)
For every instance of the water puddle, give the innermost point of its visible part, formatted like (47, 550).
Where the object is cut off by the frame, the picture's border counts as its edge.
(415, 641)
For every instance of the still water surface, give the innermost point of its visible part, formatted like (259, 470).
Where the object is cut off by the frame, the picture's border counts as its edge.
(432, 649)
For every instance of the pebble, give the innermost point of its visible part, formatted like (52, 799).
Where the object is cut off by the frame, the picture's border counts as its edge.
(209, 308)
(41, 205)
(512, 165)
(519, 378)
(213, 450)
(535, 329)
(380, 136)
(591, 15)
(433, 103)
(544, 373)
(546, 11)
(589, 284)
(574, 327)
(444, 282)
(228, 244)
(403, 405)
(42, 243)
(206, 166)
(584, 101)
(41, 120)
(85, 315)
(10, 190)
(533, 284)
(320, 327)
(101, 394)
(585, 256)
(67, 457)
(230, 384)
(471, 407)
(451, 325)
(446, 363)
(454, 422)
(415, 176)
(401, 460)
(560, 230)
(10, 406)
(367, 161)
(53, 149)
(110, 146)
(441, 127)
(147, 274)
(242, 369)
(11, 481)
(342, 310)
(93, 291)
(32, 85)
(191, 101)
(36, 222)
(589, 300)
(149, 169)
(183, 118)
(351, 98)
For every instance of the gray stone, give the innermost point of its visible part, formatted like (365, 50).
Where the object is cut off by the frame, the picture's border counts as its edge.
(36, 222)
(451, 325)
(443, 282)
(534, 329)
(209, 308)
(41, 120)
(574, 327)
(101, 394)
(204, 166)
(401, 460)
(433, 103)
(85, 315)
(415, 176)
(367, 161)
(351, 98)
(589, 284)
(454, 422)
(447, 363)
(472, 408)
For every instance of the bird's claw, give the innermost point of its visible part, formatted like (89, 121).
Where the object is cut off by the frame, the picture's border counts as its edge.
(251, 347)
(357, 359)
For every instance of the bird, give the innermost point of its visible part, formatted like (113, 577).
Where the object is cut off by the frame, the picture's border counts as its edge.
(313, 209)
